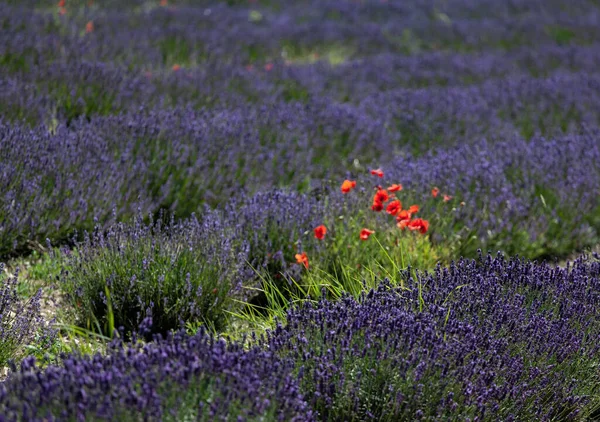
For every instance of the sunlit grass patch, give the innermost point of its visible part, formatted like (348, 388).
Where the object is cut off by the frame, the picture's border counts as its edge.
(334, 55)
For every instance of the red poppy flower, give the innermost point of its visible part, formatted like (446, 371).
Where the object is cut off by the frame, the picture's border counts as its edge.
(61, 3)
(419, 224)
(377, 206)
(447, 198)
(176, 67)
(89, 27)
(348, 185)
(413, 209)
(403, 215)
(395, 188)
(394, 207)
(435, 192)
(403, 223)
(381, 196)
(320, 232)
(365, 233)
(163, 2)
(62, 11)
(302, 259)
(377, 172)
(269, 67)
(403, 218)
(214, 291)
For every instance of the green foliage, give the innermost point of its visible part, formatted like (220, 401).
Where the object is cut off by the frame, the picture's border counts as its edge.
(178, 273)
(170, 179)
(83, 100)
(255, 53)
(44, 266)
(37, 270)
(69, 340)
(294, 91)
(13, 63)
(20, 322)
(354, 264)
(561, 34)
(341, 262)
(178, 50)
(332, 54)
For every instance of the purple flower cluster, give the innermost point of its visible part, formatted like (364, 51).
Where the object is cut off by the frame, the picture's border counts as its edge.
(179, 378)
(273, 223)
(491, 338)
(20, 320)
(543, 190)
(177, 272)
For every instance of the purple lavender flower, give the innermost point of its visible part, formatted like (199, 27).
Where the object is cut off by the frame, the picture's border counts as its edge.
(188, 271)
(508, 338)
(20, 320)
(179, 377)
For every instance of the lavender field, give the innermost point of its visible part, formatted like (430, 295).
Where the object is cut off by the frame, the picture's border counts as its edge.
(311, 210)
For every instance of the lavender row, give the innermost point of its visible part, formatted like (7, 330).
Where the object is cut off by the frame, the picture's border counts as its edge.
(488, 338)
(368, 75)
(178, 160)
(495, 110)
(482, 340)
(174, 379)
(419, 118)
(65, 91)
(536, 198)
(422, 11)
(111, 168)
(189, 36)
(372, 11)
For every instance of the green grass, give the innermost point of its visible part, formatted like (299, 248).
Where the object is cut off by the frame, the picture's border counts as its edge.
(333, 54)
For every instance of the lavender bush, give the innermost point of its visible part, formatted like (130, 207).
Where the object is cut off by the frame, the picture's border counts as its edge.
(518, 195)
(20, 321)
(178, 378)
(175, 272)
(484, 339)
(273, 224)
(481, 339)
